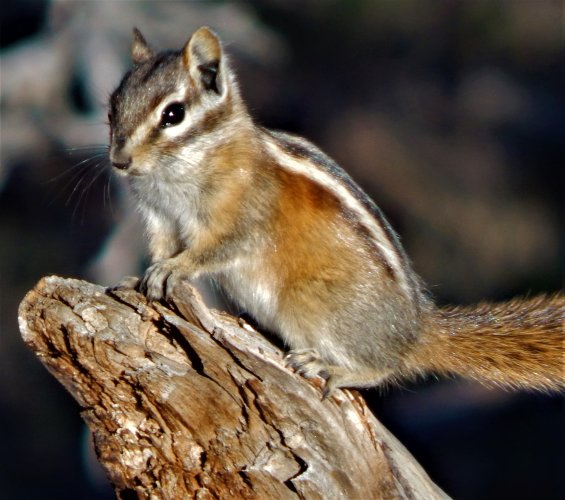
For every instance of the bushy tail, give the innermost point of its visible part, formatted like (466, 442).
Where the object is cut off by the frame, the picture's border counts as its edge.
(520, 343)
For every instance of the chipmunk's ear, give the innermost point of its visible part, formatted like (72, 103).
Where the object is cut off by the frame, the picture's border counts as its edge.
(140, 50)
(202, 57)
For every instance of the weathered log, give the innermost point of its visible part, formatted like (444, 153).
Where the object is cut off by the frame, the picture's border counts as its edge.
(183, 401)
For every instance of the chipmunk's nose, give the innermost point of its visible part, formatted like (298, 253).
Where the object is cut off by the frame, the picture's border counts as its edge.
(119, 158)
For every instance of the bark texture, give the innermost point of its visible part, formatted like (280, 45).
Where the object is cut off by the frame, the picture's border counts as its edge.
(186, 402)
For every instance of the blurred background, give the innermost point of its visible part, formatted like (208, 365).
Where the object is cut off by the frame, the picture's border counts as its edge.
(450, 114)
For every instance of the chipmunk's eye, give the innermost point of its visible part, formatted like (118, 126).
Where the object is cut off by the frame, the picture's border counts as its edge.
(173, 114)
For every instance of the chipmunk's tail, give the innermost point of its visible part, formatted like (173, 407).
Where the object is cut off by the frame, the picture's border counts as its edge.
(520, 343)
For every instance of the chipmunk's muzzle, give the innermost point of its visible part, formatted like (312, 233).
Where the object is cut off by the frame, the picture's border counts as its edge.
(120, 159)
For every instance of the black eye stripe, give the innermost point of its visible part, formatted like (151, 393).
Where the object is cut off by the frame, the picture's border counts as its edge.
(172, 115)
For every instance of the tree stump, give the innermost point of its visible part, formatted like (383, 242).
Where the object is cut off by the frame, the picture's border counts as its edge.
(186, 402)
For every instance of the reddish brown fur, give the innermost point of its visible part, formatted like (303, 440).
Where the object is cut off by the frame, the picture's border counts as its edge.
(312, 233)
(519, 343)
(300, 206)
(305, 250)
(306, 220)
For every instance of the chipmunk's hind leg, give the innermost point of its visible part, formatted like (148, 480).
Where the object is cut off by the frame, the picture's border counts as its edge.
(308, 363)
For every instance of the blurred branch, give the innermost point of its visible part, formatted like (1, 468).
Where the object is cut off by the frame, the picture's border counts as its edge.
(192, 403)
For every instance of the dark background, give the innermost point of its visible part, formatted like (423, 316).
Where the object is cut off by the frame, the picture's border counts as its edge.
(449, 113)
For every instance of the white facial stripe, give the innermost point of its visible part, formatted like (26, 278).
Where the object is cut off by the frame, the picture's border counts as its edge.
(140, 134)
(193, 116)
(313, 171)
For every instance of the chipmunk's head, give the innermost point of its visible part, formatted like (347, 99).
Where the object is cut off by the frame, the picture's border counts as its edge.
(168, 101)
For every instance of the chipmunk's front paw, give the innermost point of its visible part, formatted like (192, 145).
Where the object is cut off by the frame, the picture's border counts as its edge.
(160, 279)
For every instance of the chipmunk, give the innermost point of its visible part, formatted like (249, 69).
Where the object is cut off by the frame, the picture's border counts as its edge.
(295, 241)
